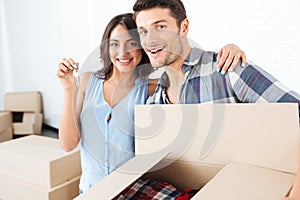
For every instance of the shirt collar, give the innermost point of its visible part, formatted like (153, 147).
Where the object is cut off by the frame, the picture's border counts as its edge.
(192, 59)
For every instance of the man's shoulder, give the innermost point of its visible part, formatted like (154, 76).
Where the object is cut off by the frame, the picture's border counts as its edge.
(205, 56)
(209, 56)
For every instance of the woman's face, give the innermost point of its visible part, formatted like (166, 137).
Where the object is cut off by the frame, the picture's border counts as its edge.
(124, 51)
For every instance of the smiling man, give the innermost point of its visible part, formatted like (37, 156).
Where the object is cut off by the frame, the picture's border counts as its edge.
(191, 74)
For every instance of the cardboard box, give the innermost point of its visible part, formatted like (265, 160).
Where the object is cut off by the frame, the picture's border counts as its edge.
(5, 126)
(29, 104)
(15, 189)
(39, 160)
(23, 102)
(198, 146)
(31, 124)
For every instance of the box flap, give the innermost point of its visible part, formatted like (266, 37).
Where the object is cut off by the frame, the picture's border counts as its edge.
(264, 135)
(239, 181)
(112, 185)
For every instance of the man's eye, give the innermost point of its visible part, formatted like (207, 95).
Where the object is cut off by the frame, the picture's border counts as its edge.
(160, 27)
(142, 32)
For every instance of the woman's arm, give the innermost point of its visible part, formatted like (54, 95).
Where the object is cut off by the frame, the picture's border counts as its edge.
(69, 127)
(229, 56)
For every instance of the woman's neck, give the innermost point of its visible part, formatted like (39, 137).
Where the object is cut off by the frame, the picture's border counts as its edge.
(118, 86)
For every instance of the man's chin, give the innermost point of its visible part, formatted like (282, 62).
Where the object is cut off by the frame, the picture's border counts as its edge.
(156, 65)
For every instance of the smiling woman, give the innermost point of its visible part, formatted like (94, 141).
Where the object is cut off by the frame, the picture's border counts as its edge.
(105, 102)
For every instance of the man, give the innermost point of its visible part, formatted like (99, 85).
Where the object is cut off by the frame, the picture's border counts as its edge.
(191, 74)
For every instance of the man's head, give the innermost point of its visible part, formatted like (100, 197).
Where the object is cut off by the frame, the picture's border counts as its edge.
(176, 7)
(162, 26)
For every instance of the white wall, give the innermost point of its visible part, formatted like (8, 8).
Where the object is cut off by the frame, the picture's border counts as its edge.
(36, 34)
(267, 30)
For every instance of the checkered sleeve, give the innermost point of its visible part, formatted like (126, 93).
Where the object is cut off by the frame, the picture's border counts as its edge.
(253, 85)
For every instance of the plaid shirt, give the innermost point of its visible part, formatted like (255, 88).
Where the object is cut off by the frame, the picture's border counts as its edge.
(204, 84)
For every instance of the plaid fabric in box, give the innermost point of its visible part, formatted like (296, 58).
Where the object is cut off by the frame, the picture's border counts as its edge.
(149, 189)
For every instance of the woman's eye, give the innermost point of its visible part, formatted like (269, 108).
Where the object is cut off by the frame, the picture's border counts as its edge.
(133, 44)
(114, 44)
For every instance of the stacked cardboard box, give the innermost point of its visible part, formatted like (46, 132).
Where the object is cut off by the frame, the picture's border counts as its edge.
(5, 126)
(27, 109)
(35, 167)
(230, 152)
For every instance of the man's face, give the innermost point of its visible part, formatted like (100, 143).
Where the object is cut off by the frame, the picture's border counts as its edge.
(160, 36)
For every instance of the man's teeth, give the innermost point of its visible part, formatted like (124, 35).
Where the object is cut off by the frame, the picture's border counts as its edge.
(156, 50)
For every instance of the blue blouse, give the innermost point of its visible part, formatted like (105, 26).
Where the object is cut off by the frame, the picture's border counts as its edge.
(106, 145)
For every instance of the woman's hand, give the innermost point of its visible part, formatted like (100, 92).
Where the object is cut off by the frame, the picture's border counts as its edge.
(229, 56)
(65, 72)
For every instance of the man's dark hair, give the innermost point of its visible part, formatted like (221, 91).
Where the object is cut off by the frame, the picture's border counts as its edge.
(176, 7)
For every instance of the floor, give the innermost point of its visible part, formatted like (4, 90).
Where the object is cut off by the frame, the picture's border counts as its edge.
(49, 131)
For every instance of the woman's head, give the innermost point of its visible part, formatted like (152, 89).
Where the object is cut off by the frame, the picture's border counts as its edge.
(120, 46)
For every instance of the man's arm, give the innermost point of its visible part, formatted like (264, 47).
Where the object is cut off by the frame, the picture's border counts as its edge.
(252, 84)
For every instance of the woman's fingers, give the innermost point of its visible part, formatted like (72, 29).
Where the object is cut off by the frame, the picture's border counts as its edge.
(66, 67)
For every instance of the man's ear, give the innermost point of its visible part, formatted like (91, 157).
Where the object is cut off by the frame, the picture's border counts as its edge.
(184, 27)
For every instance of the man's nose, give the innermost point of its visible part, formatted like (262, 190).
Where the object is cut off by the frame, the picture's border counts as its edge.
(151, 36)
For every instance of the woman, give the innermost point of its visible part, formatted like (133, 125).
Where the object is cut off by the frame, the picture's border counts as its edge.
(105, 101)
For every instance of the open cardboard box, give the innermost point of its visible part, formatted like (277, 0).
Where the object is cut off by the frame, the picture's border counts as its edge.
(38, 160)
(5, 126)
(227, 151)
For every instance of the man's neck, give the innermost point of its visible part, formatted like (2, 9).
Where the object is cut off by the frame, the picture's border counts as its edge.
(176, 76)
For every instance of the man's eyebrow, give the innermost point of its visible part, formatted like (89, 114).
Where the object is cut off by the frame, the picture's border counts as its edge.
(159, 21)
(154, 23)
